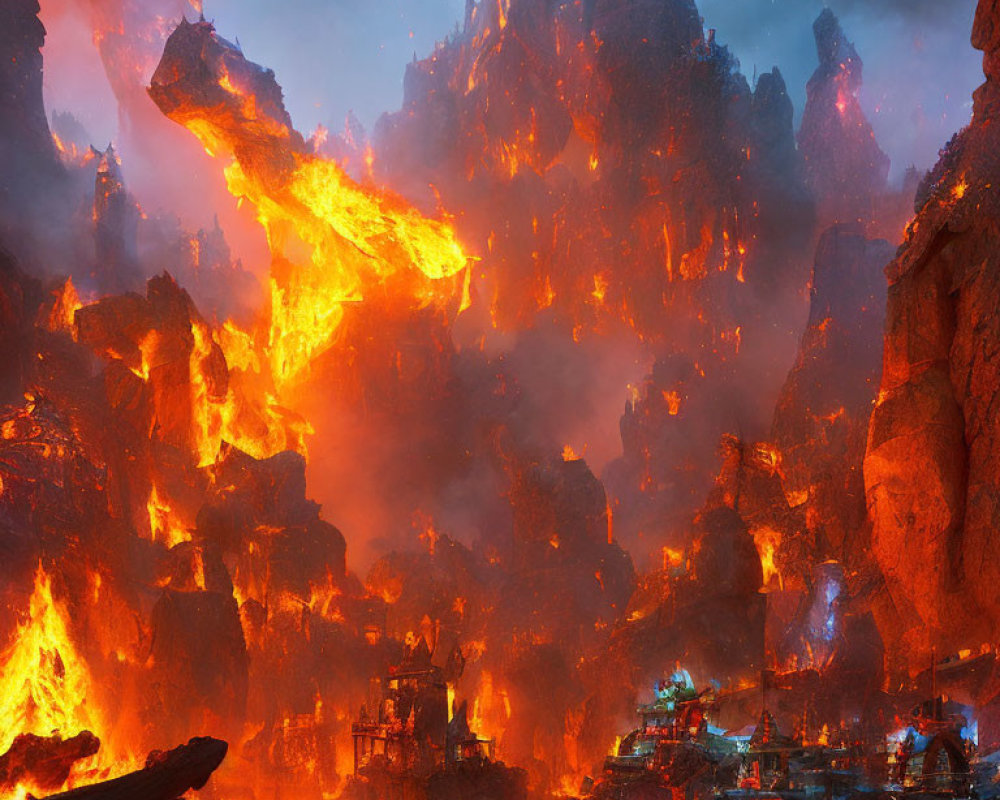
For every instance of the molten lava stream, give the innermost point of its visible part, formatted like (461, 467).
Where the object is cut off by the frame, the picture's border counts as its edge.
(332, 240)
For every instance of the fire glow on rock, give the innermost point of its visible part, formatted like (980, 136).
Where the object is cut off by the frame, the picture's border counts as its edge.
(620, 178)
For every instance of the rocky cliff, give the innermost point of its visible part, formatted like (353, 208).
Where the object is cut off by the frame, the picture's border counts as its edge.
(930, 470)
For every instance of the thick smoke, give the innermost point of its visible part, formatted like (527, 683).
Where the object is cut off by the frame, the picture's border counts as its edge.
(440, 451)
(168, 172)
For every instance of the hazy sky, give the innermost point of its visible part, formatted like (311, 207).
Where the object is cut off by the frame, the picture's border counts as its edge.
(335, 55)
(332, 55)
(920, 69)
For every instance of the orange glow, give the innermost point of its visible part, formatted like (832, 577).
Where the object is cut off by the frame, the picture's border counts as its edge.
(547, 295)
(206, 424)
(324, 599)
(490, 709)
(44, 684)
(164, 524)
(357, 239)
(768, 455)
(502, 8)
(843, 95)
(600, 288)
(46, 687)
(332, 240)
(428, 533)
(147, 348)
(611, 522)
(833, 416)
(247, 415)
(466, 291)
(199, 570)
(63, 314)
(238, 347)
(796, 497)
(673, 401)
(672, 558)
(768, 541)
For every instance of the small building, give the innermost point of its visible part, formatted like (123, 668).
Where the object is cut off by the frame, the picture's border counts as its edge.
(935, 752)
(673, 743)
(463, 743)
(769, 755)
(409, 727)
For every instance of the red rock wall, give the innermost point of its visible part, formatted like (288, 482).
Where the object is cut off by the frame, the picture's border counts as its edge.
(931, 472)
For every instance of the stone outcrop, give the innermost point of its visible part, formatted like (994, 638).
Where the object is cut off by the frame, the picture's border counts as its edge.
(31, 177)
(24, 130)
(933, 487)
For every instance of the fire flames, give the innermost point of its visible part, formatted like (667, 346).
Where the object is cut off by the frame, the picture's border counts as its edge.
(333, 242)
(45, 684)
(46, 687)
(358, 241)
(768, 541)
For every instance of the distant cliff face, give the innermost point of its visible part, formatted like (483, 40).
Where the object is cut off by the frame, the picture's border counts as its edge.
(822, 415)
(27, 154)
(931, 469)
(22, 113)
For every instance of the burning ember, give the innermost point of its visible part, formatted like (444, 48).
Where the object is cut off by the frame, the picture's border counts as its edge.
(658, 434)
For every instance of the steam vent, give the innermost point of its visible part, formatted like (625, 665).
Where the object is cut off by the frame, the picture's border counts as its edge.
(500, 400)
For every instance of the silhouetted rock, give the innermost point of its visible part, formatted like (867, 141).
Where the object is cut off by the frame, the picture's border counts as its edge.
(845, 167)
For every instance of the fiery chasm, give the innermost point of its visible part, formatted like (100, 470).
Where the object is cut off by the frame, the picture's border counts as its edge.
(663, 435)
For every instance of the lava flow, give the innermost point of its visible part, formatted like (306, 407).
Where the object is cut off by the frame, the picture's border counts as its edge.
(355, 239)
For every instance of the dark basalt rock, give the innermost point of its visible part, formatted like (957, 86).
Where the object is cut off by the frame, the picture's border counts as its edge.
(821, 420)
(166, 776)
(44, 762)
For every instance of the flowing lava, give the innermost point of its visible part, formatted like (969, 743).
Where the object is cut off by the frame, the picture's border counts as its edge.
(358, 241)
(333, 241)
(768, 541)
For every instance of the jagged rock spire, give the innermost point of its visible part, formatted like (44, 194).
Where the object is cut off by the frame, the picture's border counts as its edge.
(845, 167)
